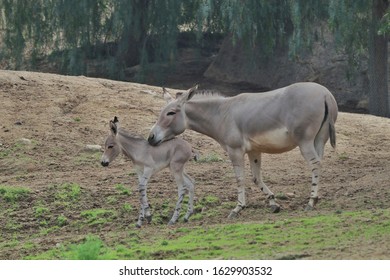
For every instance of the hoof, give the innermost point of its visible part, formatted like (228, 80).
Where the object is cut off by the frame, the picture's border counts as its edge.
(148, 219)
(275, 208)
(171, 223)
(233, 215)
(185, 220)
(138, 225)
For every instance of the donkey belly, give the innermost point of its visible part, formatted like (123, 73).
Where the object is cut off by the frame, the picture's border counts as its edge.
(272, 141)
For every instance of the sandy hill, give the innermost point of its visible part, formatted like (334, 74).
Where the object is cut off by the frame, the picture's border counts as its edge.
(60, 115)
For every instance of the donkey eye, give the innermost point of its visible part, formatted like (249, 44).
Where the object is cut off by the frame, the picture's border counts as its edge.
(171, 113)
(110, 146)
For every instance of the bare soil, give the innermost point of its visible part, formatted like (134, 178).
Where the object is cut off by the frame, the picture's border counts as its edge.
(63, 114)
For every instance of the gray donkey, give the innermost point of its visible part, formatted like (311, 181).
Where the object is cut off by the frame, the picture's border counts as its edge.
(302, 114)
(150, 160)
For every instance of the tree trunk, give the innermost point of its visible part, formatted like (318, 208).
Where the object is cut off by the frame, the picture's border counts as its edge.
(378, 64)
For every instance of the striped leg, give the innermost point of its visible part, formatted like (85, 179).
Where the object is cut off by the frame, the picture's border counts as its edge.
(181, 193)
(177, 170)
(255, 163)
(237, 159)
(145, 209)
(191, 194)
(188, 186)
(314, 161)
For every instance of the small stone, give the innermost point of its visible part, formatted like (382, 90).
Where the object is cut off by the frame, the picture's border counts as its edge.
(24, 141)
(93, 148)
(290, 195)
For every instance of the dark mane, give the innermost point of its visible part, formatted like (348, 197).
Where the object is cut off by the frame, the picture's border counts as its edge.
(201, 93)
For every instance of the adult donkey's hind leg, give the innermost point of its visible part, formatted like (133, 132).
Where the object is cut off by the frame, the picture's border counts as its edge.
(255, 163)
(308, 151)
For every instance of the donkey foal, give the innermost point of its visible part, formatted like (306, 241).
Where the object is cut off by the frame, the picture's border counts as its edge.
(148, 161)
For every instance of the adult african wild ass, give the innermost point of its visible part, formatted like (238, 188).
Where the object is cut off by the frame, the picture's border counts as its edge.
(302, 114)
(148, 161)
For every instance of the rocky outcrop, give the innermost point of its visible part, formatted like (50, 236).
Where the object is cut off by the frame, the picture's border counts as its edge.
(323, 65)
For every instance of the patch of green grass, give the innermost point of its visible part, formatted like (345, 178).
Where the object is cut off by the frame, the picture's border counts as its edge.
(13, 225)
(123, 190)
(68, 192)
(213, 157)
(88, 158)
(111, 199)
(313, 237)
(13, 243)
(13, 194)
(4, 153)
(29, 245)
(127, 208)
(41, 211)
(206, 202)
(210, 200)
(98, 216)
(343, 156)
(91, 248)
(62, 220)
(47, 230)
(88, 250)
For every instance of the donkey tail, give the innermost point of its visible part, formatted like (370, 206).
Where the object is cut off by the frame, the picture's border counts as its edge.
(332, 133)
(331, 107)
(327, 129)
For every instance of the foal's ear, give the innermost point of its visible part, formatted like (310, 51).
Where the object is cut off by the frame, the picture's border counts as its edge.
(167, 96)
(114, 126)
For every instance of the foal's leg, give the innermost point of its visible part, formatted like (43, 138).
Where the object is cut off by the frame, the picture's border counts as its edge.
(181, 192)
(255, 163)
(145, 209)
(237, 159)
(191, 193)
(314, 161)
(177, 171)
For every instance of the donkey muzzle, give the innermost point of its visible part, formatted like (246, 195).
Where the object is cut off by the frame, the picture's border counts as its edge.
(152, 140)
(105, 163)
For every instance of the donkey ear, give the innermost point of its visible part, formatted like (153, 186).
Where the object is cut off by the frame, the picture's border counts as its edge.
(116, 119)
(114, 126)
(192, 91)
(166, 95)
(188, 95)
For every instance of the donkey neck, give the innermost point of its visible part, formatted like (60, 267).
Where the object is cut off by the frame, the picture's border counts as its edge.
(132, 145)
(206, 116)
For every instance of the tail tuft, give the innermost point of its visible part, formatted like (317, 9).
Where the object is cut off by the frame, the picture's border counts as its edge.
(332, 134)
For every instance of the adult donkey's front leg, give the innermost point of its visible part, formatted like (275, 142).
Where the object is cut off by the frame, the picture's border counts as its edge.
(142, 186)
(255, 163)
(237, 159)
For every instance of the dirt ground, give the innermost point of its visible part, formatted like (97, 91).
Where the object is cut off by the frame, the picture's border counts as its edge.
(63, 114)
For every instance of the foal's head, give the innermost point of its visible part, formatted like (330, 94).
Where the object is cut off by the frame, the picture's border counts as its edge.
(111, 147)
